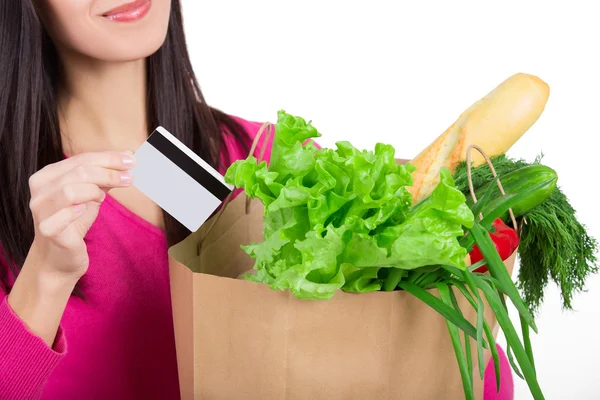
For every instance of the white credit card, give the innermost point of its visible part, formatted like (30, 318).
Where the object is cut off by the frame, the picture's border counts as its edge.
(179, 181)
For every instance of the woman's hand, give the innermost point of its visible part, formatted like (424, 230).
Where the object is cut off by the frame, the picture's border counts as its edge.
(65, 200)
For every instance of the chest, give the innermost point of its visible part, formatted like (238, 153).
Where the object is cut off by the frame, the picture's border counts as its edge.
(127, 247)
(139, 204)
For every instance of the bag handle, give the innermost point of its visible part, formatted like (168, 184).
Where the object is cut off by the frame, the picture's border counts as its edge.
(269, 128)
(494, 174)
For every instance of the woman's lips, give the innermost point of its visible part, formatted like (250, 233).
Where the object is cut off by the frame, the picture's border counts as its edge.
(129, 12)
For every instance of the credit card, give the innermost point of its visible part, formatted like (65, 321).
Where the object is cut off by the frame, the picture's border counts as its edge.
(178, 180)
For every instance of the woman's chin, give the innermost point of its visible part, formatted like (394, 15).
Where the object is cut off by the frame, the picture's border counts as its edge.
(125, 50)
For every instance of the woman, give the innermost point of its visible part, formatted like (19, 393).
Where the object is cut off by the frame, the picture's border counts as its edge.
(84, 81)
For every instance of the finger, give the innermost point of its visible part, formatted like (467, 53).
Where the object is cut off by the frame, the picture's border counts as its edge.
(99, 176)
(59, 221)
(107, 159)
(50, 201)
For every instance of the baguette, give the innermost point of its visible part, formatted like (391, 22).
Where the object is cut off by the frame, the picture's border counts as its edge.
(494, 123)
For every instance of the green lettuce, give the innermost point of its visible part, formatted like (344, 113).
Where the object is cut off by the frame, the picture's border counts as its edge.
(341, 219)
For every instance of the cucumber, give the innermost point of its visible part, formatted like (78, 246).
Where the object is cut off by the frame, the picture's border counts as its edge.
(514, 182)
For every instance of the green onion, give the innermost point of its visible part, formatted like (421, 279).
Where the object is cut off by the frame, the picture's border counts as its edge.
(456, 344)
(476, 265)
(527, 341)
(441, 307)
(492, 341)
(466, 337)
(395, 275)
(498, 270)
(512, 337)
(480, 319)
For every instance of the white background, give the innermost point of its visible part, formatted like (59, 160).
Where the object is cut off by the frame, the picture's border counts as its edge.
(401, 72)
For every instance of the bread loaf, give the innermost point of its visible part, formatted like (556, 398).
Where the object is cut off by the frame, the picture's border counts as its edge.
(494, 123)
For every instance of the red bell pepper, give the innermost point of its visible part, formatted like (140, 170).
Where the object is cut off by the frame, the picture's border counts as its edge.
(505, 239)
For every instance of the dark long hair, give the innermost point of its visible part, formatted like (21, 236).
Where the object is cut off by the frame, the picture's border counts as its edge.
(30, 73)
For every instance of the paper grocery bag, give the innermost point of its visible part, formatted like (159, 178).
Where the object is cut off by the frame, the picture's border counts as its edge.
(241, 340)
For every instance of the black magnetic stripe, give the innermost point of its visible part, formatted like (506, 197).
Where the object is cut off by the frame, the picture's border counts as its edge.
(189, 166)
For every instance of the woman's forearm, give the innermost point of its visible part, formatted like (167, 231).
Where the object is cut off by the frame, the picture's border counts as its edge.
(39, 299)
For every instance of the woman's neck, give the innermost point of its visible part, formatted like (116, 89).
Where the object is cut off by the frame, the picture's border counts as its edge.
(102, 106)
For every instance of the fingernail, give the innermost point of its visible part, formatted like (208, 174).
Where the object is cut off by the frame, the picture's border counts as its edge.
(128, 159)
(126, 178)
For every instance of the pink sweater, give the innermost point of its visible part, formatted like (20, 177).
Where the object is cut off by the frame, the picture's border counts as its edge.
(119, 342)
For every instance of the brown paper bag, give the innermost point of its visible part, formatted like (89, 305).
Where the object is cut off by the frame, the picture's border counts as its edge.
(241, 340)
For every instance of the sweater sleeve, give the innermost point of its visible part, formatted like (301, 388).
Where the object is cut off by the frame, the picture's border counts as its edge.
(26, 361)
(507, 389)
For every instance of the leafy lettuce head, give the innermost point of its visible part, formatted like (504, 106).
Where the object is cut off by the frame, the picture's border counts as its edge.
(335, 218)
